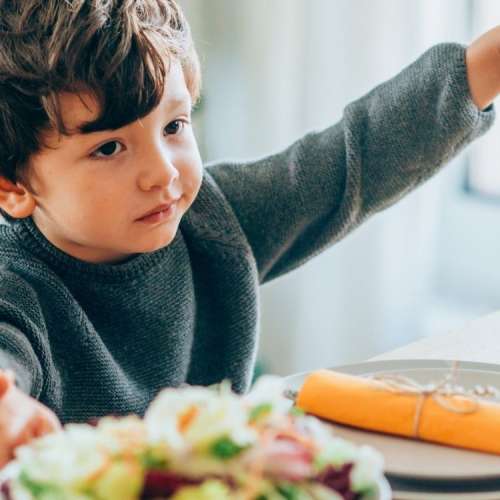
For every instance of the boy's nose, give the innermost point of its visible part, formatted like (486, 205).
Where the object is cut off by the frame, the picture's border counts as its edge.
(157, 171)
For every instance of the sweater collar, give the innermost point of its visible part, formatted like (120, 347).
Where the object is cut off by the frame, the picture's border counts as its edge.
(30, 237)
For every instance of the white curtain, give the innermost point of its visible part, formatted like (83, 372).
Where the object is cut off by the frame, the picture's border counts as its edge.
(275, 69)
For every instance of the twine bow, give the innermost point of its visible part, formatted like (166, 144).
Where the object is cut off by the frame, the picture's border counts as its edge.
(442, 392)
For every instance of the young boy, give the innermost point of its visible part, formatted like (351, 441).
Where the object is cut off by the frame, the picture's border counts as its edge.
(127, 267)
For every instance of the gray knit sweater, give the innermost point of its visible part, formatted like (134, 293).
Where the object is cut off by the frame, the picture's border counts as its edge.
(93, 339)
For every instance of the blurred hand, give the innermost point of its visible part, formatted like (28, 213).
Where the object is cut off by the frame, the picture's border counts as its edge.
(483, 68)
(22, 418)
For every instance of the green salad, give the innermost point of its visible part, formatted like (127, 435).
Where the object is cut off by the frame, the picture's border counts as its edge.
(196, 443)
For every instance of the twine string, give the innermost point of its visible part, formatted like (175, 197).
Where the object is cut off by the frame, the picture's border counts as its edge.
(442, 392)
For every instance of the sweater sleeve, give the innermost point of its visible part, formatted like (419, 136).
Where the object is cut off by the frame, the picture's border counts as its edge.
(16, 354)
(296, 203)
(21, 344)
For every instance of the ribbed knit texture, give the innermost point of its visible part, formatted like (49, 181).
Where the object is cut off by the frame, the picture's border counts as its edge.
(95, 339)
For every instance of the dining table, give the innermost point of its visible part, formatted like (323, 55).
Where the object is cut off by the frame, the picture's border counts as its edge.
(477, 341)
(416, 469)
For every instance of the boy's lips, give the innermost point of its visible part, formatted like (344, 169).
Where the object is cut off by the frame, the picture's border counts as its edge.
(158, 209)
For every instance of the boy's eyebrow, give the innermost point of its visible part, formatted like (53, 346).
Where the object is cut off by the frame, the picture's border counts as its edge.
(172, 104)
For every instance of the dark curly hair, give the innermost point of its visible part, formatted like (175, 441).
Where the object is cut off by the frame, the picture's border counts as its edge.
(118, 50)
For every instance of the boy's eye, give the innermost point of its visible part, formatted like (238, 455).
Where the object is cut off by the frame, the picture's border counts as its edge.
(107, 149)
(174, 127)
(110, 149)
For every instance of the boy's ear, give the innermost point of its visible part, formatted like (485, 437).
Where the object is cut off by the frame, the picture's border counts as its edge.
(15, 199)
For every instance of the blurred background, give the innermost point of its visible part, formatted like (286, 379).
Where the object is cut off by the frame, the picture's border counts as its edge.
(275, 69)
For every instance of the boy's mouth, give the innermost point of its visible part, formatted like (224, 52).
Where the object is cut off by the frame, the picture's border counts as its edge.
(160, 212)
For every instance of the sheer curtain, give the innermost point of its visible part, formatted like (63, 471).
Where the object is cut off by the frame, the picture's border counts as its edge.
(277, 69)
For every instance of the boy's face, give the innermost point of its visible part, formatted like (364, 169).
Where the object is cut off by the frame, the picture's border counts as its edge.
(93, 191)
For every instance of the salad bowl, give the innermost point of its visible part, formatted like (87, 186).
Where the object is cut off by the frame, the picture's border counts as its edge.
(198, 443)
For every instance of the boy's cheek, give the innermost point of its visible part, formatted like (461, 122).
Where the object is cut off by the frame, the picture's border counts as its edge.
(195, 185)
(193, 174)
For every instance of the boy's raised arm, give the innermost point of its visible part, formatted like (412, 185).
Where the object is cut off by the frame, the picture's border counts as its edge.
(296, 203)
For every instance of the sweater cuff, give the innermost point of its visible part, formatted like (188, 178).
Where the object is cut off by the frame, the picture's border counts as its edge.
(453, 55)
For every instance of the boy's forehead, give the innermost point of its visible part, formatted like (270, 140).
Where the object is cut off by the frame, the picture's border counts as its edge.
(77, 109)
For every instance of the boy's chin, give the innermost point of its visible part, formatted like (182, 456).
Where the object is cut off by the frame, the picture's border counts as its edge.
(153, 246)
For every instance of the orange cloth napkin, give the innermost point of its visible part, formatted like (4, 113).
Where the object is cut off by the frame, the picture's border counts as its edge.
(369, 404)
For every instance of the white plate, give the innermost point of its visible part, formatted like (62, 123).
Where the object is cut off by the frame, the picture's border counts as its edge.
(411, 495)
(408, 459)
(383, 491)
